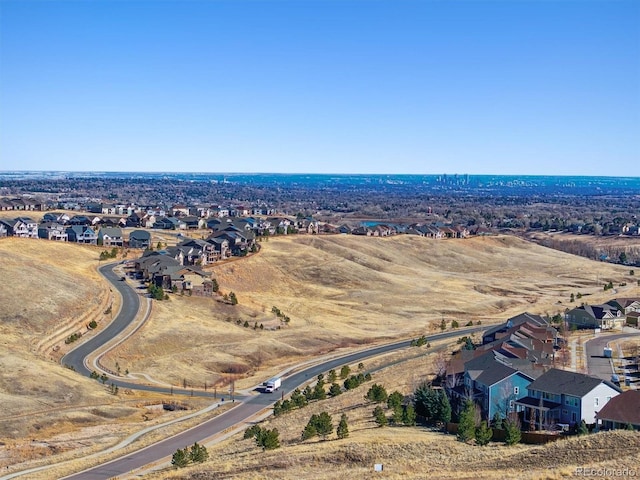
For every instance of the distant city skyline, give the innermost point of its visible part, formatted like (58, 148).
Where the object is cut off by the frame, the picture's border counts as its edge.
(337, 87)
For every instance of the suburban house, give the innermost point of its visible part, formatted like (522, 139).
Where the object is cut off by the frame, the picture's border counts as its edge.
(52, 231)
(594, 316)
(80, 220)
(495, 382)
(621, 411)
(534, 322)
(110, 237)
(140, 239)
(563, 397)
(81, 234)
(24, 227)
(626, 305)
(191, 222)
(6, 229)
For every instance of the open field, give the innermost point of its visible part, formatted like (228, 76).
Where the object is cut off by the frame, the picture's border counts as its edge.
(338, 291)
(343, 291)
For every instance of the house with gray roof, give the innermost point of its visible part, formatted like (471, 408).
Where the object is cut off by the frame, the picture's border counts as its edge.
(140, 239)
(52, 231)
(81, 234)
(602, 316)
(110, 237)
(563, 397)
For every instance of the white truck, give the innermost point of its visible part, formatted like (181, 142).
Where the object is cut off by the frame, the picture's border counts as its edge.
(272, 385)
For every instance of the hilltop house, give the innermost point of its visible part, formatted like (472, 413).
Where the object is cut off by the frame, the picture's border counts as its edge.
(110, 237)
(81, 234)
(24, 227)
(52, 231)
(560, 396)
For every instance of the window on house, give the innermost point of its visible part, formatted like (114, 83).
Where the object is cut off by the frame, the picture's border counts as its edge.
(574, 417)
(565, 412)
(516, 390)
(596, 401)
(511, 404)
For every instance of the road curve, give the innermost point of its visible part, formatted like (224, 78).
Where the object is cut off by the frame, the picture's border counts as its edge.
(242, 412)
(246, 406)
(130, 305)
(597, 364)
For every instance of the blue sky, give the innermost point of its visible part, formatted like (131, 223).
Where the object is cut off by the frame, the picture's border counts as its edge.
(493, 87)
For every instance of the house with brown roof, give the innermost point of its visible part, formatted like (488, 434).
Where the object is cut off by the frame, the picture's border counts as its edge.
(621, 411)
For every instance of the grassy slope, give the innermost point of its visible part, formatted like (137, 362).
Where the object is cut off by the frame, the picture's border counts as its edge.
(345, 290)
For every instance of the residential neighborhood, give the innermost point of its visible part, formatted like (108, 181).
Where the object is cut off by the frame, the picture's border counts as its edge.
(521, 370)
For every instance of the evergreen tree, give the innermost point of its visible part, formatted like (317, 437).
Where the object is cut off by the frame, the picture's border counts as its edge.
(444, 408)
(496, 422)
(484, 434)
(377, 393)
(335, 390)
(467, 423)
(397, 415)
(309, 431)
(345, 371)
(395, 399)
(318, 391)
(582, 428)
(379, 416)
(513, 433)
(332, 376)
(324, 425)
(409, 415)
(298, 399)
(308, 393)
(343, 427)
(180, 458)
(198, 453)
(268, 439)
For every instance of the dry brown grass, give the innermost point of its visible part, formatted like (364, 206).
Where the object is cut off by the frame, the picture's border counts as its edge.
(338, 291)
(342, 291)
(405, 452)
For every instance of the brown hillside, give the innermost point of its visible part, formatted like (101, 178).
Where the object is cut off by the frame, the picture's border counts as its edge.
(344, 290)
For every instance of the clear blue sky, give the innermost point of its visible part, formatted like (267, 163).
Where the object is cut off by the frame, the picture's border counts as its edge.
(495, 87)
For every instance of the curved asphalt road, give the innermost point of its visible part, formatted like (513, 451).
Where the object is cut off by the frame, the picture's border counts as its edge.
(597, 364)
(246, 406)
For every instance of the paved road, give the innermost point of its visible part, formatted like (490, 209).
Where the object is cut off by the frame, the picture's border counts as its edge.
(597, 364)
(130, 305)
(128, 312)
(247, 406)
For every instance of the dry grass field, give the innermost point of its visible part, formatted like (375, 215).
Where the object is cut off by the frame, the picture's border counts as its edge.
(343, 291)
(405, 452)
(338, 291)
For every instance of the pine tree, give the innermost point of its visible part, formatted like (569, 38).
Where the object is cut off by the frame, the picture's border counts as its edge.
(513, 433)
(377, 394)
(180, 458)
(484, 434)
(310, 429)
(409, 416)
(467, 423)
(395, 399)
(343, 427)
(198, 453)
(335, 390)
(379, 416)
(582, 428)
(324, 425)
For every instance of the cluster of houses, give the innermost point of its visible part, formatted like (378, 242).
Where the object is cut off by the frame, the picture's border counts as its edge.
(612, 314)
(513, 372)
